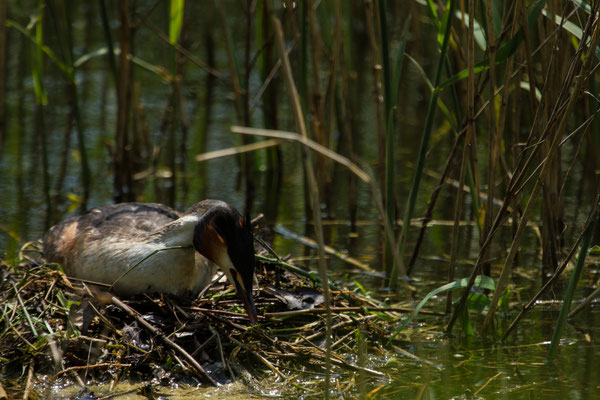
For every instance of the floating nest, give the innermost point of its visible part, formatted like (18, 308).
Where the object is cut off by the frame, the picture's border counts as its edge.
(67, 331)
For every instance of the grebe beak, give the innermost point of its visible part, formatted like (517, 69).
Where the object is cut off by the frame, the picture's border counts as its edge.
(248, 300)
(244, 290)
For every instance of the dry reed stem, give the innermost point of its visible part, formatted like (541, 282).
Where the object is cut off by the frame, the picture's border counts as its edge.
(231, 151)
(305, 141)
(328, 249)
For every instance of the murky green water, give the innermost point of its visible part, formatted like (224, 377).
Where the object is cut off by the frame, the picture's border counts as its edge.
(447, 366)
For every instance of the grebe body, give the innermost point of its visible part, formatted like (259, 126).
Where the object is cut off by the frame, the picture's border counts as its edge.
(104, 244)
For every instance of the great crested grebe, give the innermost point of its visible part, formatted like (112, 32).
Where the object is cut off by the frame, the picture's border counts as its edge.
(104, 244)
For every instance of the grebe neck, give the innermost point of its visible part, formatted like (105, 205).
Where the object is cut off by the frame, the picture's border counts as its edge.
(177, 233)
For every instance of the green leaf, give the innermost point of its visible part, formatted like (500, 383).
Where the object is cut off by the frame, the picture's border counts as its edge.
(478, 31)
(481, 282)
(584, 5)
(441, 36)
(360, 287)
(465, 322)
(62, 66)
(477, 301)
(496, 17)
(384, 316)
(594, 250)
(434, 14)
(175, 20)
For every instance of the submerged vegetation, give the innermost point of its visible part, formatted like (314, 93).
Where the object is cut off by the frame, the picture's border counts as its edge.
(399, 114)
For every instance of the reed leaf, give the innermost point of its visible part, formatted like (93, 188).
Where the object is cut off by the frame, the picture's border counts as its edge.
(36, 40)
(479, 30)
(176, 10)
(38, 63)
(481, 282)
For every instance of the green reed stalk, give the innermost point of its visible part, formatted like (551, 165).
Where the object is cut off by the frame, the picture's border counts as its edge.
(564, 311)
(176, 13)
(431, 109)
(390, 198)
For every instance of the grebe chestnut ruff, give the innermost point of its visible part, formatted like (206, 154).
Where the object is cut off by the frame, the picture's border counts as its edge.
(104, 244)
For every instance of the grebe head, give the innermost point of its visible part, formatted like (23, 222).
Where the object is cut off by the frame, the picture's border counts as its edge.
(225, 237)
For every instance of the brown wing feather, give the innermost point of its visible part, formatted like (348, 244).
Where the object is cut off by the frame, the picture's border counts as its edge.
(127, 220)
